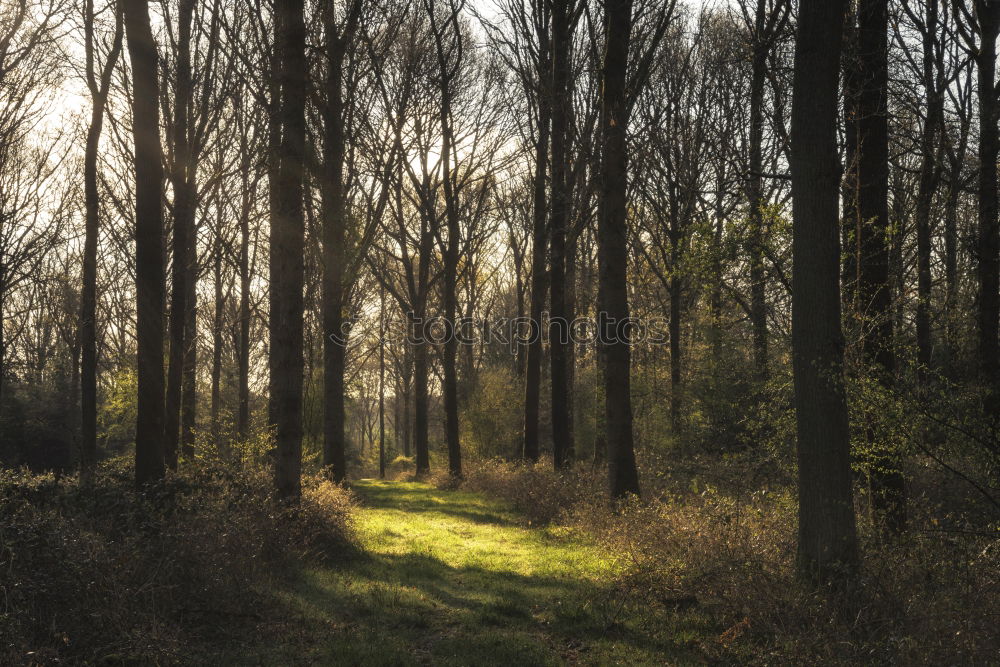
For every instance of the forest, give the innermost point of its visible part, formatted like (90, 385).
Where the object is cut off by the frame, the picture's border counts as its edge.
(499, 332)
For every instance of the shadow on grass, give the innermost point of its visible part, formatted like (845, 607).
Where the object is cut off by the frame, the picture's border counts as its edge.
(401, 609)
(420, 601)
(421, 498)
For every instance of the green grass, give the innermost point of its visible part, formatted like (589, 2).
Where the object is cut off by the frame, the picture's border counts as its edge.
(452, 578)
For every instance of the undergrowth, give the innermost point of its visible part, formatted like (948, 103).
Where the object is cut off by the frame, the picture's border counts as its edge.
(96, 572)
(726, 550)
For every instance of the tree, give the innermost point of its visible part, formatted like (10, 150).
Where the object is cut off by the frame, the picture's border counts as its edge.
(448, 47)
(612, 250)
(565, 15)
(183, 214)
(528, 48)
(979, 27)
(148, 165)
(334, 213)
(827, 534)
(925, 17)
(99, 85)
(619, 92)
(766, 26)
(874, 237)
(287, 249)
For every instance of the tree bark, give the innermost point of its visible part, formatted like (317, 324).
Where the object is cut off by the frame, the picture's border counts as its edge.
(758, 288)
(562, 35)
(183, 213)
(216, 387)
(243, 352)
(286, 252)
(612, 251)
(988, 245)
(407, 382)
(381, 385)
(926, 189)
(951, 266)
(189, 394)
(539, 240)
(334, 255)
(99, 88)
(827, 533)
(851, 225)
(874, 288)
(149, 437)
(674, 288)
(420, 399)
(571, 257)
(446, 73)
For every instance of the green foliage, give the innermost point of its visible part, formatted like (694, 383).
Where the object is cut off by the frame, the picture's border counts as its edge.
(651, 407)
(588, 413)
(492, 414)
(116, 413)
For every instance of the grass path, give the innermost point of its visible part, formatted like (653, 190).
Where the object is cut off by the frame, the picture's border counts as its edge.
(452, 578)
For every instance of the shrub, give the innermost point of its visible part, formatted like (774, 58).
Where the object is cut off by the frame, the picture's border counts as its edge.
(720, 551)
(98, 572)
(534, 490)
(492, 413)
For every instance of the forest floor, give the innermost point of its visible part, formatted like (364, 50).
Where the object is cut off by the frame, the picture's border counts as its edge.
(453, 578)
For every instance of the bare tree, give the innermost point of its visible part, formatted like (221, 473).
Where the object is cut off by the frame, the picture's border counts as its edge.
(149, 436)
(99, 84)
(334, 213)
(287, 249)
(827, 534)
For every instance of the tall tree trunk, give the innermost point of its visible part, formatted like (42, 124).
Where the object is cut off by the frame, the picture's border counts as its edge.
(715, 293)
(518, 350)
(562, 35)
(951, 266)
(571, 257)
(334, 256)
(539, 243)
(675, 288)
(449, 358)
(446, 73)
(989, 226)
(189, 393)
(381, 384)
(286, 252)
(874, 289)
(216, 392)
(827, 533)
(758, 288)
(612, 251)
(183, 210)
(149, 436)
(243, 353)
(407, 381)
(851, 225)
(92, 205)
(420, 399)
(925, 191)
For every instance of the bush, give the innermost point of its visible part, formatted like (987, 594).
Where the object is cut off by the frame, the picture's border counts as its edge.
(98, 572)
(536, 491)
(721, 552)
(492, 413)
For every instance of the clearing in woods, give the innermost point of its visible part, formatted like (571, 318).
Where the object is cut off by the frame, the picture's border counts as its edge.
(453, 578)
